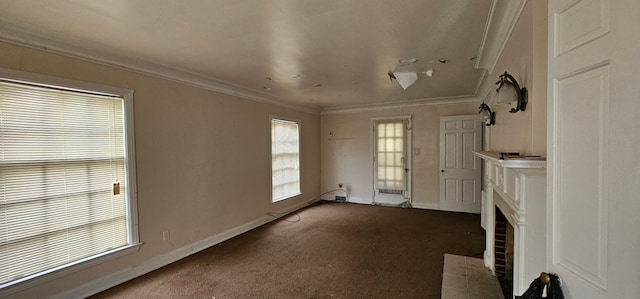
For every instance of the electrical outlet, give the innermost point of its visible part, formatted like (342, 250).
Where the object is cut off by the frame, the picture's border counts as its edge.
(165, 235)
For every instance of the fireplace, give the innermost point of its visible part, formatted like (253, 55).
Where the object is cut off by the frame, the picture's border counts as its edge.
(514, 197)
(503, 248)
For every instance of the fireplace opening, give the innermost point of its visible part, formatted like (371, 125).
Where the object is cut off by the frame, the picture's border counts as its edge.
(504, 247)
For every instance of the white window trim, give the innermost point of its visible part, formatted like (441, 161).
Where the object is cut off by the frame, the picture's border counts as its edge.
(285, 197)
(132, 213)
(407, 194)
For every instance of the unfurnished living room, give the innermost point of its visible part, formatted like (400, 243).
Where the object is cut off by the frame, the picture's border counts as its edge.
(319, 149)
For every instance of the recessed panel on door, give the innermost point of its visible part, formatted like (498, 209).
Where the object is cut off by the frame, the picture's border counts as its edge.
(581, 203)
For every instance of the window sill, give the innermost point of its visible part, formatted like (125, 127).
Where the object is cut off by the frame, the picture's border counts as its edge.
(281, 198)
(30, 281)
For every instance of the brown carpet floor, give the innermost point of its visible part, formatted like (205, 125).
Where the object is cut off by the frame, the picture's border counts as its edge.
(327, 250)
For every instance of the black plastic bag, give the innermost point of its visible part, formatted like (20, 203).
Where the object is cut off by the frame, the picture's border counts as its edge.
(536, 288)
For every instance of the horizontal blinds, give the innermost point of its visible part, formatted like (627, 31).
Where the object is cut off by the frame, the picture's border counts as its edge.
(60, 154)
(390, 159)
(285, 159)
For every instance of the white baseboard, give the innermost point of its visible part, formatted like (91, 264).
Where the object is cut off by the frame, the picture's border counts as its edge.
(416, 205)
(361, 200)
(116, 278)
(354, 200)
(425, 206)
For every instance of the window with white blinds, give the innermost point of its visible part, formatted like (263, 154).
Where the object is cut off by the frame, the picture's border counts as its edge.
(285, 159)
(63, 178)
(391, 156)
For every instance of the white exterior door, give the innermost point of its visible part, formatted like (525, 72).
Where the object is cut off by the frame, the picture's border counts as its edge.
(391, 169)
(459, 168)
(593, 177)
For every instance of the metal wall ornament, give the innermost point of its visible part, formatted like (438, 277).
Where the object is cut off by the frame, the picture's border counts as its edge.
(509, 91)
(487, 115)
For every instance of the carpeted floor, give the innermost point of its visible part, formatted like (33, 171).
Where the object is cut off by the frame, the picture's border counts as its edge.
(327, 250)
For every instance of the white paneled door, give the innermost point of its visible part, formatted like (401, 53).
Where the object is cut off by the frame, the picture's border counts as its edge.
(460, 169)
(592, 239)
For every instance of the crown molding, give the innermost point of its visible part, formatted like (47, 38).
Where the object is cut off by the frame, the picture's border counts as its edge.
(96, 54)
(405, 104)
(502, 20)
(503, 17)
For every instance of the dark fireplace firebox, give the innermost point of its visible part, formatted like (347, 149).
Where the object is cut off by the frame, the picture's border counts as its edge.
(504, 243)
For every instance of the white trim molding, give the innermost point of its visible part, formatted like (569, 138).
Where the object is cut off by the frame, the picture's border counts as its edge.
(501, 21)
(503, 17)
(413, 103)
(97, 54)
(518, 189)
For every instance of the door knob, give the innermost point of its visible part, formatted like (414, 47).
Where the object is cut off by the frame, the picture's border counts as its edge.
(442, 170)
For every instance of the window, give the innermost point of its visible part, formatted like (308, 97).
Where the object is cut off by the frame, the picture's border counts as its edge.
(66, 176)
(285, 159)
(390, 157)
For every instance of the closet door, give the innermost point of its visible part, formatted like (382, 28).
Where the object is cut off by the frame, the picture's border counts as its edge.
(593, 209)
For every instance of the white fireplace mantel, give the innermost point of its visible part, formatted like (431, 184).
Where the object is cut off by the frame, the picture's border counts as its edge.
(517, 186)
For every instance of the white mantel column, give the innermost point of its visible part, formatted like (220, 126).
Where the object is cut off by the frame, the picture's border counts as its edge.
(517, 186)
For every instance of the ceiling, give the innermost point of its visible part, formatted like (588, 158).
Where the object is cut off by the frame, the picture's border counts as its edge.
(319, 55)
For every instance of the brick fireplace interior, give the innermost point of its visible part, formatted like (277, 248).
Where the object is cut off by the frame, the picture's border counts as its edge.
(504, 246)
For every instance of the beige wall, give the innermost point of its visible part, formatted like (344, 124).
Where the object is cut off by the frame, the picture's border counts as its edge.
(347, 158)
(524, 57)
(202, 159)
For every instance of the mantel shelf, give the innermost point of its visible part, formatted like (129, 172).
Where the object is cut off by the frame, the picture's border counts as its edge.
(513, 162)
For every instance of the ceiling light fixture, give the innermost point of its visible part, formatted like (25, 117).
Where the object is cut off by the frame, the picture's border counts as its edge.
(408, 61)
(406, 73)
(407, 78)
(509, 91)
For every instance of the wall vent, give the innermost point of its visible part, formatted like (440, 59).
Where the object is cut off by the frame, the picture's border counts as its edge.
(390, 191)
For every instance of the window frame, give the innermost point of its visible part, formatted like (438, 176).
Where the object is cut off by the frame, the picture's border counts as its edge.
(134, 243)
(408, 119)
(299, 124)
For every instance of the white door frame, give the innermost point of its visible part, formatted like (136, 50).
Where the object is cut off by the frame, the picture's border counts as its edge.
(463, 202)
(406, 196)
